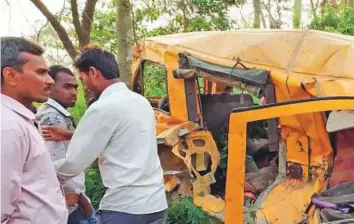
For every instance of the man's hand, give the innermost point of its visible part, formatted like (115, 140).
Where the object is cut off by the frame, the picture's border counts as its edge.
(72, 198)
(86, 207)
(55, 133)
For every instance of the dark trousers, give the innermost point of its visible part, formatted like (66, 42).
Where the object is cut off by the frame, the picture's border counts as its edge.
(76, 217)
(113, 217)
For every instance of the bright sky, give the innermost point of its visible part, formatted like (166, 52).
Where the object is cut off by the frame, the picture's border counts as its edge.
(24, 19)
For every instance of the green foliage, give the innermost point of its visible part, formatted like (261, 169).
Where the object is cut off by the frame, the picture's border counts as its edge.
(250, 214)
(255, 99)
(335, 19)
(154, 79)
(103, 30)
(94, 187)
(183, 211)
(223, 159)
(257, 129)
(198, 15)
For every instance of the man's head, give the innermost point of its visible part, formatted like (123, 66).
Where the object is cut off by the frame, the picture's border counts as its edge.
(65, 88)
(97, 69)
(24, 72)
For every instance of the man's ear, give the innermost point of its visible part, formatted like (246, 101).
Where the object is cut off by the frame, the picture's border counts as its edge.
(10, 76)
(93, 71)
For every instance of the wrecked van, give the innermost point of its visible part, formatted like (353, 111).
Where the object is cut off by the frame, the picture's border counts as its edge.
(208, 77)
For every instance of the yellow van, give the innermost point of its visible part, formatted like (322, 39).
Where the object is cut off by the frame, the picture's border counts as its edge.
(302, 76)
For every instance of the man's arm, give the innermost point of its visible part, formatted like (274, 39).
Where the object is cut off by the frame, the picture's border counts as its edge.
(54, 127)
(14, 150)
(90, 138)
(55, 133)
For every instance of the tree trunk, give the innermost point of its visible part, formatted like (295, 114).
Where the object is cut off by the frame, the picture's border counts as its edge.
(263, 20)
(76, 20)
(124, 41)
(86, 21)
(297, 13)
(185, 17)
(257, 13)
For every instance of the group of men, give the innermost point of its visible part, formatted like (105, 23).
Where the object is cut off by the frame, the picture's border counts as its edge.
(44, 155)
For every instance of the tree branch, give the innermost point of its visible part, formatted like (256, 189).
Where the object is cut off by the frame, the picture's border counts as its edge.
(40, 30)
(63, 35)
(87, 17)
(314, 8)
(272, 21)
(76, 20)
(243, 18)
(60, 14)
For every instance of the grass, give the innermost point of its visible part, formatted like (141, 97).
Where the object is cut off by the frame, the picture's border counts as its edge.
(94, 186)
(183, 211)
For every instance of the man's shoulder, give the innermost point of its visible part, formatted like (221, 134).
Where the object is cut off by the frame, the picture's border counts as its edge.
(12, 121)
(45, 109)
(47, 115)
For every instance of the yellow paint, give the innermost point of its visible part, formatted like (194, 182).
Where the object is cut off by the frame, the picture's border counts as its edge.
(201, 162)
(291, 198)
(171, 135)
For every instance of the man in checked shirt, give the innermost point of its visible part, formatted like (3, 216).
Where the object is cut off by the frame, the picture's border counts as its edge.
(53, 114)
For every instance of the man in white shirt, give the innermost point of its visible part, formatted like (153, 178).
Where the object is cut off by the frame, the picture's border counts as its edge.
(54, 113)
(119, 130)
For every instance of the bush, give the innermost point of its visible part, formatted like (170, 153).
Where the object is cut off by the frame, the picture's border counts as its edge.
(183, 211)
(94, 187)
(338, 19)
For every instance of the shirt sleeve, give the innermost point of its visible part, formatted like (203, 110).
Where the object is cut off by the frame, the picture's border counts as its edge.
(14, 151)
(52, 119)
(88, 142)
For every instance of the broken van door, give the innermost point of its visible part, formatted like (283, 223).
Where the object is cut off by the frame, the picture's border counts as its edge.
(288, 193)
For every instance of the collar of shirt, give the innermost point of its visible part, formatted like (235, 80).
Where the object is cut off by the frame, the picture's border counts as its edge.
(17, 107)
(58, 107)
(116, 87)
